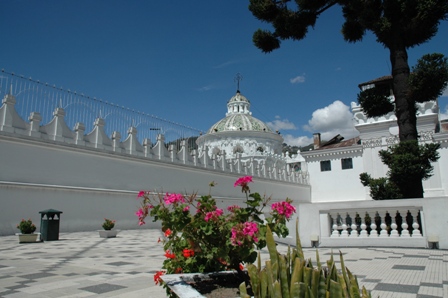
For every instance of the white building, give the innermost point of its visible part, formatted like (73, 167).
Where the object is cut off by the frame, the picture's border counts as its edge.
(241, 134)
(334, 167)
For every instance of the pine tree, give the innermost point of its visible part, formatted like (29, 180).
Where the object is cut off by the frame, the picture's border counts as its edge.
(397, 24)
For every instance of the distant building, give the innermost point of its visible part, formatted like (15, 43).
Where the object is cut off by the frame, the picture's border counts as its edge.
(241, 134)
(334, 167)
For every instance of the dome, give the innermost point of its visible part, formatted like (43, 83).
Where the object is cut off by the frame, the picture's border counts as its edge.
(238, 97)
(240, 134)
(239, 117)
(237, 122)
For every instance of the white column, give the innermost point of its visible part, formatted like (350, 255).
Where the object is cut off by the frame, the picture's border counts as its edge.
(373, 231)
(335, 233)
(383, 225)
(344, 232)
(404, 224)
(415, 232)
(353, 226)
(363, 226)
(393, 225)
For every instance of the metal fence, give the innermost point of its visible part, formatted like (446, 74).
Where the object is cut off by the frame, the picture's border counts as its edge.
(35, 96)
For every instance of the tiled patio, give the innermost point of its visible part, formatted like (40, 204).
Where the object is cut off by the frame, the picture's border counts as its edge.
(83, 265)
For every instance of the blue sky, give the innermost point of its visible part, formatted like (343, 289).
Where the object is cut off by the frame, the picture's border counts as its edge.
(178, 60)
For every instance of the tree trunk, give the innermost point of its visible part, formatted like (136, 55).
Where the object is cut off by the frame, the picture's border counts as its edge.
(406, 113)
(404, 109)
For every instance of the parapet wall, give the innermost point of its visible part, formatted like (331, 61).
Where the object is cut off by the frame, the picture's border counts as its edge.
(90, 176)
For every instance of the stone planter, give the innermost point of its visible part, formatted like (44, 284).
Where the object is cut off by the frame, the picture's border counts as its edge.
(108, 233)
(180, 283)
(27, 238)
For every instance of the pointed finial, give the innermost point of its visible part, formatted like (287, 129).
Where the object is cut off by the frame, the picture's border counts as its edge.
(10, 90)
(238, 78)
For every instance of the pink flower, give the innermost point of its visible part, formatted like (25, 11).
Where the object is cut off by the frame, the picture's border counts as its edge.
(243, 181)
(141, 194)
(186, 208)
(213, 215)
(233, 208)
(139, 213)
(284, 208)
(173, 198)
(242, 232)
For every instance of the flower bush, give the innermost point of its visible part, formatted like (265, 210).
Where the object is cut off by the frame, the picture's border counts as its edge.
(26, 226)
(108, 224)
(200, 237)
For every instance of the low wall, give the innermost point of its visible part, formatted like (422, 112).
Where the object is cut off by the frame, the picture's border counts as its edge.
(89, 184)
(314, 220)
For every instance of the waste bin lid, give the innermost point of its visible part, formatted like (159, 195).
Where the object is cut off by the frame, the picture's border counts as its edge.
(50, 211)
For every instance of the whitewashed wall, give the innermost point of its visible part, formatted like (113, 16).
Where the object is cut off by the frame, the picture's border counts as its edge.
(337, 184)
(88, 184)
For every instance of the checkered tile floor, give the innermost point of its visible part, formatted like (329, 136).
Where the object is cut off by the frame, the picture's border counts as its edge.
(84, 265)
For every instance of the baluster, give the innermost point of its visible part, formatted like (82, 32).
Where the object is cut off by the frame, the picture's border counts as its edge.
(353, 226)
(404, 224)
(363, 226)
(334, 217)
(415, 231)
(383, 225)
(344, 232)
(373, 231)
(393, 225)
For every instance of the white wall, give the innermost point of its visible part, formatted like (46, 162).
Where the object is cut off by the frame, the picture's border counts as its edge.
(89, 184)
(337, 184)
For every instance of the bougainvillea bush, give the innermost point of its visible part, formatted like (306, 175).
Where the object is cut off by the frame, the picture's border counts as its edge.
(200, 237)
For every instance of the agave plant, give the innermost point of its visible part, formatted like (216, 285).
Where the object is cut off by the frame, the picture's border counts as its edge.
(291, 276)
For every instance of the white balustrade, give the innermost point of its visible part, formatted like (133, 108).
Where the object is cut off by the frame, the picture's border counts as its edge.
(340, 228)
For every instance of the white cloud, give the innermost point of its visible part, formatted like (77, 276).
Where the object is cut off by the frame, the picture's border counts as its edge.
(444, 114)
(205, 88)
(281, 124)
(298, 79)
(445, 92)
(297, 141)
(225, 64)
(334, 119)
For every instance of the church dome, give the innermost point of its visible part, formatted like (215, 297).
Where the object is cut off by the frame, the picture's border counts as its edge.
(239, 122)
(239, 117)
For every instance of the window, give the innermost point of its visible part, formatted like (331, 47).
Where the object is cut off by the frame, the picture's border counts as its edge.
(347, 163)
(325, 165)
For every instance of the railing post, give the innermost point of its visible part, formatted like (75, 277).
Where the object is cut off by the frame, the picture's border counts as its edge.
(353, 226)
(363, 226)
(415, 225)
(335, 233)
(344, 232)
(383, 225)
(404, 224)
(373, 226)
(393, 225)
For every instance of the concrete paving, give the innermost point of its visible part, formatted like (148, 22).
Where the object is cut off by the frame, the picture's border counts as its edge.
(83, 265)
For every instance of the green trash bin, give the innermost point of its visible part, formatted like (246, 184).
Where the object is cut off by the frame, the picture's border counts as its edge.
(49, 224)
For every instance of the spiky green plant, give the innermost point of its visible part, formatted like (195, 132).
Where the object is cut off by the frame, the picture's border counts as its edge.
(291, 276)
